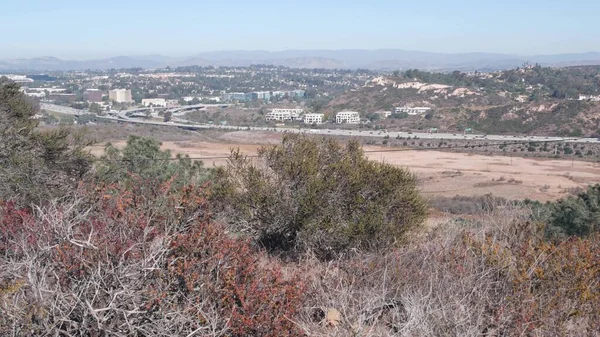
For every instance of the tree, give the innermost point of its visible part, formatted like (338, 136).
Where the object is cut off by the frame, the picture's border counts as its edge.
(576, 215)
(36, 166)
(167, 116)
(318, 195)
(85, 119)
(95, 108)
(429, 115)
(143, 159)
(373, 117)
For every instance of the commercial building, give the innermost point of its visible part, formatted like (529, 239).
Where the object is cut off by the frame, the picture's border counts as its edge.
(62, 97)
(93, 95)
(347, 117)
(284, 114)
(36, 94)
(50, 90)
(236, 96)
(264, 95)
(172, 103)
(291, 94)
(120, 95)
(158, 102)
(19, 78)
(313, 118)
(412, 111)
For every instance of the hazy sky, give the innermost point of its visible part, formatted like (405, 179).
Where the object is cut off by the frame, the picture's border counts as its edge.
(90, 29)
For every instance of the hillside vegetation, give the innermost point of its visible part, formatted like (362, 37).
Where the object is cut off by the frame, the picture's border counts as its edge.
(532, 100)
(307, 239)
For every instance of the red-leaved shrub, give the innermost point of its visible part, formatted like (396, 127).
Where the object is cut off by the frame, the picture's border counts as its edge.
(142, 260)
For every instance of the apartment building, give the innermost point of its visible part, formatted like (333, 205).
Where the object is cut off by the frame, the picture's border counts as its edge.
(347, 117)
(284, 114)
(412, 111)
(313, 118)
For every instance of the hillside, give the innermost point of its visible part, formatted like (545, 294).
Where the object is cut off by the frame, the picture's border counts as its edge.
(536, 100)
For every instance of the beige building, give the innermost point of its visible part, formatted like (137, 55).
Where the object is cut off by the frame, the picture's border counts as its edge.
(120, 95)
(284, 114)
(313, 118)
(347, 117)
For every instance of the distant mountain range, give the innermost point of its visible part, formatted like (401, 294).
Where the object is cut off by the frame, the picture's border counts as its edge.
(382, 59)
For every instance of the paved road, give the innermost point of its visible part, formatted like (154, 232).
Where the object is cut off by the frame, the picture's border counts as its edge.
(178, 122)
(61, 109)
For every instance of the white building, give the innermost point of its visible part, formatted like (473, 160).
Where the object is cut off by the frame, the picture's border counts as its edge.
(158, 102)
(212, 99)
(589, 98)
(347, 117)
(313, 118)
(36, 94)
(19, 78)
(120, 95)
(172, 103)
(412, 111)
(384, 114)
(50, 90)
(284, 114)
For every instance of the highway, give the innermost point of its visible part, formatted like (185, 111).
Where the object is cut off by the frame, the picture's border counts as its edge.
(178, 122)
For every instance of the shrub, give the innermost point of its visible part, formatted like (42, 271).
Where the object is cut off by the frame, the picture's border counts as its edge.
(469, 205)
(567, 150)
(309, 194)
(136, 261)
(35, 166)
(143, 159)
(576, 215)
(496, 277)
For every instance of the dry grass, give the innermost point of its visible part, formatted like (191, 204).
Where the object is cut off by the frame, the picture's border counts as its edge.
(453, 282)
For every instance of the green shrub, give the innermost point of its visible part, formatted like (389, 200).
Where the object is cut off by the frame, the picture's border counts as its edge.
(320, 196)
(143, 159)
(576, 215)
(35, 166)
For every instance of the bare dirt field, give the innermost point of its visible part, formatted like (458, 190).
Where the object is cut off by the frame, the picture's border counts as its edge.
(439, 173)
(449, 174)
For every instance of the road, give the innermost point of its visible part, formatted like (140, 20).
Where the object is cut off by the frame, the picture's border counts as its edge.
(178, 122)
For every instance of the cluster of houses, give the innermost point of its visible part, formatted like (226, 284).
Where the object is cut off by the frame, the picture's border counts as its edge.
(284, 115)
(342, 117)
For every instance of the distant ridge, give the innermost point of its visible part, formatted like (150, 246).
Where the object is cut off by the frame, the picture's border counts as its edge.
(381, 59)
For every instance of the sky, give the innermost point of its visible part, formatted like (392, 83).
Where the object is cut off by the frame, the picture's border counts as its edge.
(76, 29)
